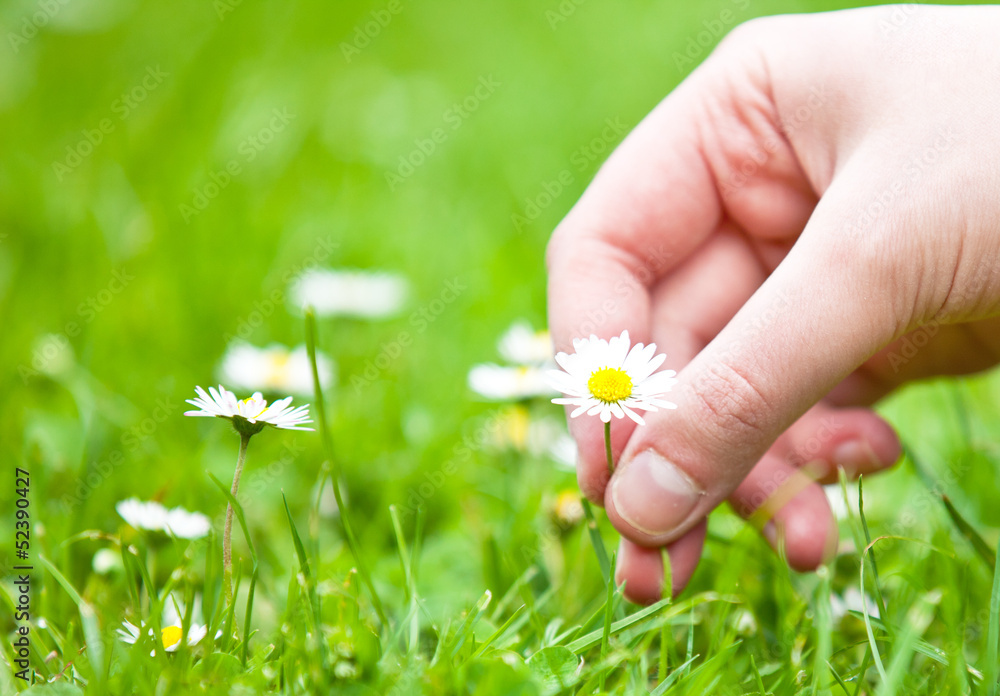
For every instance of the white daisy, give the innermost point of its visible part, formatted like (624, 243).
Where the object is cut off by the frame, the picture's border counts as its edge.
(170, 635)
(364, 294)
(186, 525)
(501, 383)
(563, 451)
(274, 369)
(150, 516)
(523, 345)
(607, 378)
(154, 517)
(106, 561)
(249, 416)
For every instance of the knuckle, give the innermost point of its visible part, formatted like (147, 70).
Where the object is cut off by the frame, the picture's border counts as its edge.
(730, 405)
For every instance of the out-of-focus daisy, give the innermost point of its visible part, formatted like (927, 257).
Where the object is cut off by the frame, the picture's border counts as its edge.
(249, 415)
(150, 516)
(567, 509)
(530, 351)
(523, 345)
(274, 369)
(562, 450)
(514, 427)
(500, 383)
(851, 600)
(170, 635)
(612, 378)
(105, 561)
(154, 517)
(351, 293)
(186, 525)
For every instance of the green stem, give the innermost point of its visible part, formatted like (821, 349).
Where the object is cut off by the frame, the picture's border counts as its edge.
(607, 447)
(227, 535)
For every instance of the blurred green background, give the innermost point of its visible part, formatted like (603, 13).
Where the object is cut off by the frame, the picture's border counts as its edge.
(415, 136)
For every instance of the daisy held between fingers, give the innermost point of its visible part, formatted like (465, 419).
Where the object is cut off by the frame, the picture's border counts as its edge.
(612, 378)
(249, 417)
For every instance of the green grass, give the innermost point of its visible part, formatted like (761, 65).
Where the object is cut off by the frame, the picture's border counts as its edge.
(116, 300)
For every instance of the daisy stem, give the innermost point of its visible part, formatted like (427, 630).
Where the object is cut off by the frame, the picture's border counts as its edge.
(227, 535)
(607, 447)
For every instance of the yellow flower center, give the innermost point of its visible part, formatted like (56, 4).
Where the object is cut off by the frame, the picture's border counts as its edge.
(247, 402)
(171, 636)
(515, 427)
(610, 384)
(277, 369)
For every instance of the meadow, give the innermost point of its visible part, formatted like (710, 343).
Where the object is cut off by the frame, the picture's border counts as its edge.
(172, 171)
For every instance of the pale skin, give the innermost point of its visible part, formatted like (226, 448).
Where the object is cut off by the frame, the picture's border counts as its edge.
(811, 219)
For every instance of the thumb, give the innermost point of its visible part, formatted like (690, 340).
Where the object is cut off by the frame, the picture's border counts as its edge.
(827, 308)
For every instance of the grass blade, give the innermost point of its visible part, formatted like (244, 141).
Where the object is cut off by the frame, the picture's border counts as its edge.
(499, 632)
(970, 533)
(463, 632)
(88, 620)
(609, 612)
(664, 606)
(595, 538)
(993, 634)
(324, 429)
(868, 548)
(674, 676)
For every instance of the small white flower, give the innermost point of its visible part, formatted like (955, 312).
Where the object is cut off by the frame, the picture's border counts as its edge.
(563, 451)
(186, 525)
(154, 517)
(105, 561)
(170, 635)
(352, 293)
(851, 600)
(500, 383)
(150, 516)
(607, 378)
(250, 414)
(523, 345)
(274, 369)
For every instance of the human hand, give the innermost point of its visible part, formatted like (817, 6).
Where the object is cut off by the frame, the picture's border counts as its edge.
(809, 220)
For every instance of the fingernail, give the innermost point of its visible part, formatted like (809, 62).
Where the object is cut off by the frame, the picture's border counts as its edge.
(854, 455)
(653, 495)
